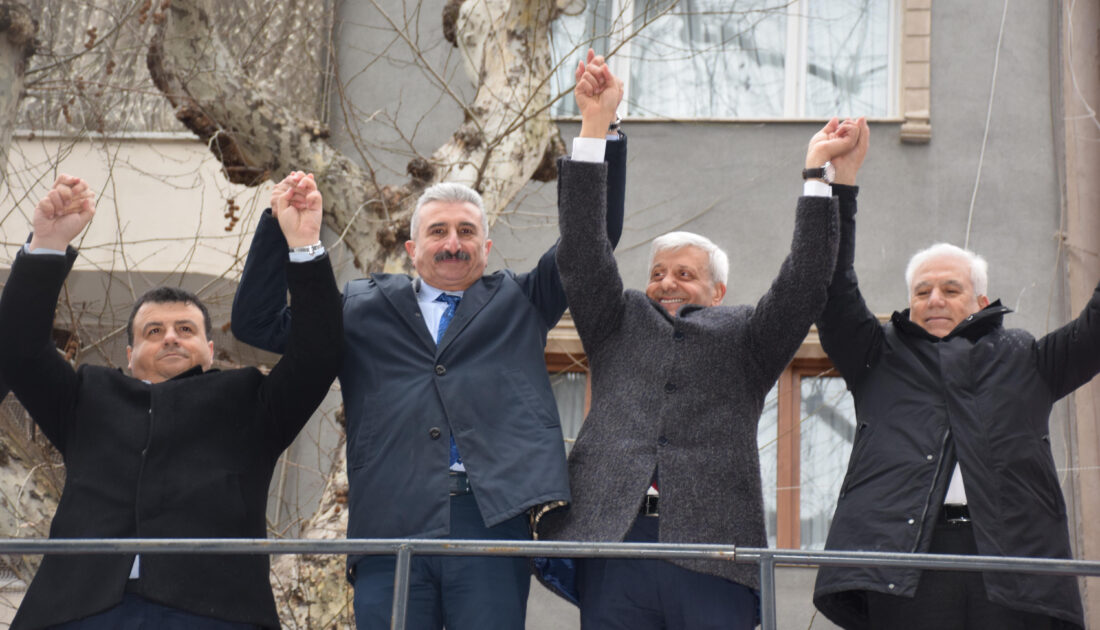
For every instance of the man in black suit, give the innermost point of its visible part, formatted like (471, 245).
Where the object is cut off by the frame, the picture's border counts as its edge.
(179, 450)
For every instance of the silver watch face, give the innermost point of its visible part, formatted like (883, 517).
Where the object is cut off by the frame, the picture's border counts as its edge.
(830, 172)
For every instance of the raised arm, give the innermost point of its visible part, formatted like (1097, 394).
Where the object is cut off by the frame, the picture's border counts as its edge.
(782, 316)
(585, 260)
(260, 314)
(299, 381)
(1070, 356)
(29, 361)
(543, 284)
(849, 330)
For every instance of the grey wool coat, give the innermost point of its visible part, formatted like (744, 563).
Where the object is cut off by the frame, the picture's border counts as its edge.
(682, 394)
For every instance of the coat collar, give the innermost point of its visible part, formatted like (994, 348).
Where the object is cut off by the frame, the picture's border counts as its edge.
(973, 327)
(400, 290)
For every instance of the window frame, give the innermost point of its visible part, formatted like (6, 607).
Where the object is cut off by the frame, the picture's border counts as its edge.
(910, 72)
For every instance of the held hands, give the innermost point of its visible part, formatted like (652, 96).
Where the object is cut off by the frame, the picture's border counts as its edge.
(296, 203)
(61, 215)
(598, 95)
(842, 143)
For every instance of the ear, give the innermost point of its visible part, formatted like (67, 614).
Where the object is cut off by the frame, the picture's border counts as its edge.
(983, 301)
(410, 248)
(210, 357)
(130, 358)
(719, 293)
(488, 246)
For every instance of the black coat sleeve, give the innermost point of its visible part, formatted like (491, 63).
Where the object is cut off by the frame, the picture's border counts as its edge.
(615, 156)
(314, 349)
(260, 314)
(44, 382)
(849, 330)
(1070, 356)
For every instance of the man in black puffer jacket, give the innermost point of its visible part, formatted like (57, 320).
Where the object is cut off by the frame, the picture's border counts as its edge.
(952, 452)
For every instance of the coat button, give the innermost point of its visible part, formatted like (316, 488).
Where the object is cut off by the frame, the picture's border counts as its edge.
(440, 370)
(890, 586)
(434, 433)
(911, 521)
(678, 335)
(670, 387)
(662, 441)
(928, 457)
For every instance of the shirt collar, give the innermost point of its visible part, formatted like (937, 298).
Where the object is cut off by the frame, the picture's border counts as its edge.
(428, 293)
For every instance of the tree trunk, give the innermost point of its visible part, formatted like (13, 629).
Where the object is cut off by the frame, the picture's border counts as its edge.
(16, 46)
(504, 139)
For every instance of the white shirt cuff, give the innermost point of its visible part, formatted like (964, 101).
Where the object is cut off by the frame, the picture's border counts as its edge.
(816, 188)
(40, 250)
(589, 149)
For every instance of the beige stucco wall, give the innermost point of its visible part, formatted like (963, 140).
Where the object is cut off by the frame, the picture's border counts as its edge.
(161, 204)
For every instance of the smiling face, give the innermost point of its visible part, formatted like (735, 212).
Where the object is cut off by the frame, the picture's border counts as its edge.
(169, 339)
(942, 295)
(682, 276)
(450, 250)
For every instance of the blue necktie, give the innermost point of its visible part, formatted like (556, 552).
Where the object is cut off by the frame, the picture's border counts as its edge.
(449, 314)
(444, 321)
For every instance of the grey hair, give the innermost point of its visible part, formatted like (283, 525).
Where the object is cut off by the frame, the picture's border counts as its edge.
(979, 268)
(718, 263)
(448, 192)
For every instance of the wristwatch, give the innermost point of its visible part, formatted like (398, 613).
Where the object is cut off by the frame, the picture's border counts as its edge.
(613, 128)
(825, 172)
(316, 248)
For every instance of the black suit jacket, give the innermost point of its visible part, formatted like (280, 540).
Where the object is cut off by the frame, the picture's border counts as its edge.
(191, 457)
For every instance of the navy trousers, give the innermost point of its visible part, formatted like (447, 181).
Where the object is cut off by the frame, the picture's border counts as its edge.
(461, 592)
(627, 594)
(949, 600)
(137, 613)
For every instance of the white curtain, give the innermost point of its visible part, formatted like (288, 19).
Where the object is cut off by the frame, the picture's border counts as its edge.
(728, 59)
(569, 390)
(828, 427)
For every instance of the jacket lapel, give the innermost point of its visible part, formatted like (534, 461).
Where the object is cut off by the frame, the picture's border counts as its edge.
(399, 290)
(473, 300)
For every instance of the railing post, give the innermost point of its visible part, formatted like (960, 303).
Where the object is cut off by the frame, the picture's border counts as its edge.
(401, 588)
(767, 591)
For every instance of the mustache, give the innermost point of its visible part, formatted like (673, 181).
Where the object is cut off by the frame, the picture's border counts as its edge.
(445, 255)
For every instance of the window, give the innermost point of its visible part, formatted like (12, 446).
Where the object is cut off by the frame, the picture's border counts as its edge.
(805, 438)
(752, 59)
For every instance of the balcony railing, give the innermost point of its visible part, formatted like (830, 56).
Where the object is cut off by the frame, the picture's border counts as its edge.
(767, 559)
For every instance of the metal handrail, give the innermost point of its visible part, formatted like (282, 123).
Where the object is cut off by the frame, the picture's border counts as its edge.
(404, 548)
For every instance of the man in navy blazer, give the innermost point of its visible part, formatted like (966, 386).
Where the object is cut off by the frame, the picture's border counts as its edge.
(452, 428)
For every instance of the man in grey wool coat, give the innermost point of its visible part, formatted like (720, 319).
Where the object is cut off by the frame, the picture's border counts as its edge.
(668, 451)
